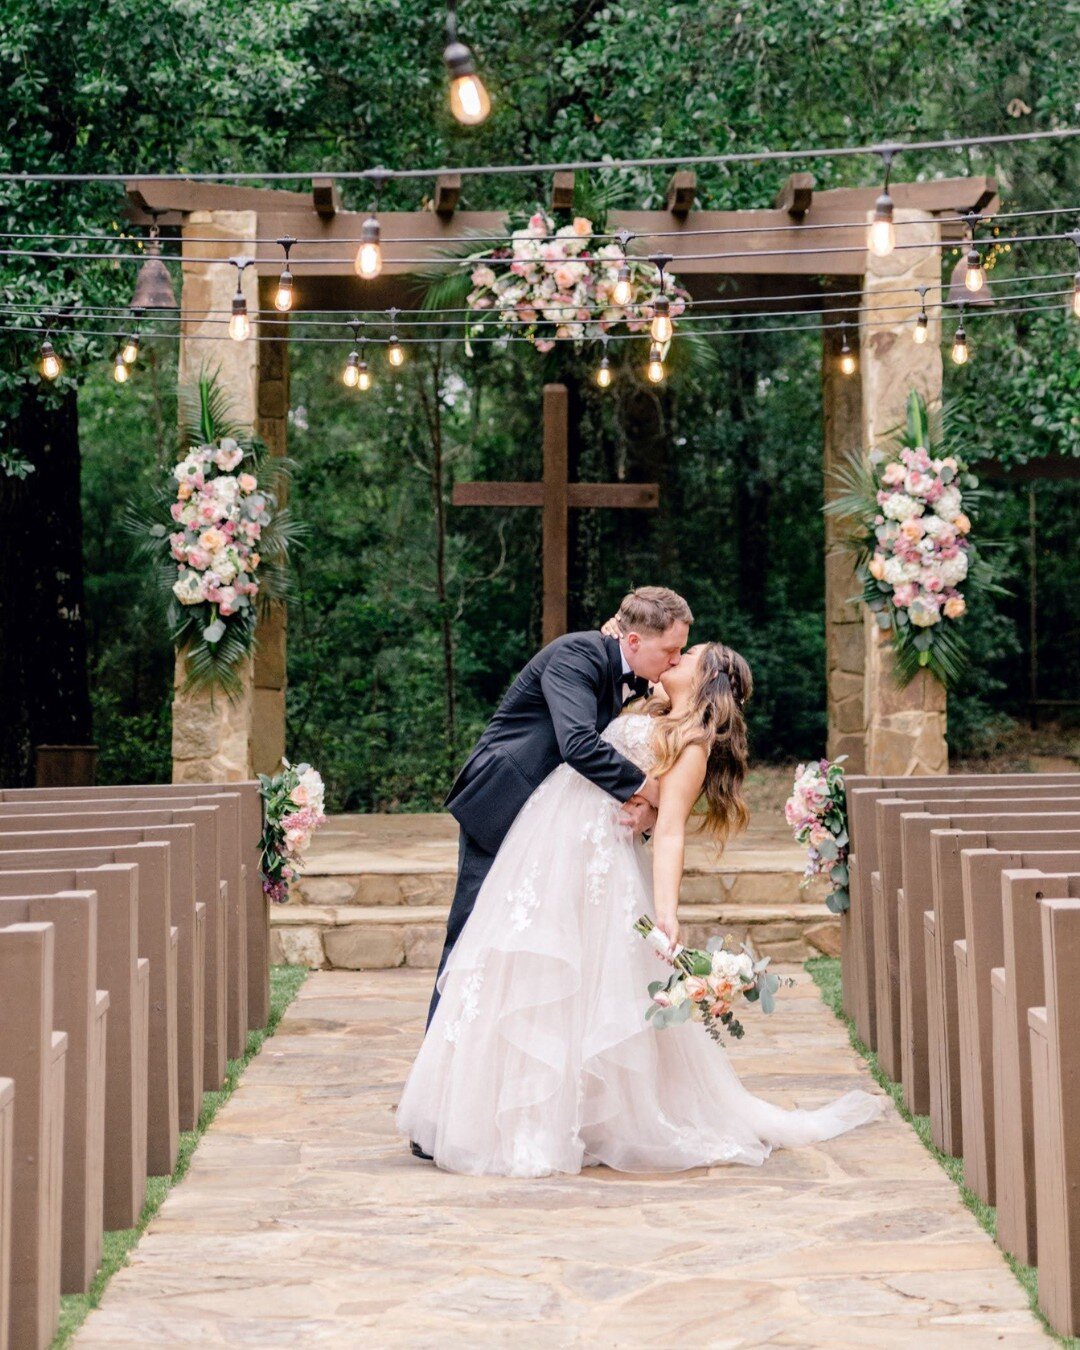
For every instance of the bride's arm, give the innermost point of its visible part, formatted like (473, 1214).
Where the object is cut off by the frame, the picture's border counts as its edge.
(680, 788)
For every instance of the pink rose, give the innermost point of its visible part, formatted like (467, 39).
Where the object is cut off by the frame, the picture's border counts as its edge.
(299, 795)
(696, 988)
(894, 474)
(913, 529)
(248, 482)
(662, 999)
(904, 593)
(176, 510)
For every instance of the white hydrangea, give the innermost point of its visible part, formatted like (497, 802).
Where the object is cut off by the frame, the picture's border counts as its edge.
(953, 570)
(899, 506)
(189, 588)
(896, 572)
(933, 525)
(948, 506)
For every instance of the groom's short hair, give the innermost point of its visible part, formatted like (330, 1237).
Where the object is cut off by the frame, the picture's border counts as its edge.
(652, 609)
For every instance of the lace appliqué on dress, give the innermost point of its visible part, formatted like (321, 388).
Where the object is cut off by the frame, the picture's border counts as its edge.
(470, 1006)
(523, 899)
(597, 832)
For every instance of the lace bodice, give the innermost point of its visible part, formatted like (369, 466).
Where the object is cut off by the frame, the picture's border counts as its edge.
(632, 736)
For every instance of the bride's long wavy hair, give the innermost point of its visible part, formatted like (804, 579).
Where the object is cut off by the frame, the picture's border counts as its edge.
(713, 719)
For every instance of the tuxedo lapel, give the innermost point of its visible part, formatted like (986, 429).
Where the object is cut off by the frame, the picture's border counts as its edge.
(614, 653)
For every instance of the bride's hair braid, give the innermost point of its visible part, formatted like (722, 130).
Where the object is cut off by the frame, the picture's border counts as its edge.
(714, 719)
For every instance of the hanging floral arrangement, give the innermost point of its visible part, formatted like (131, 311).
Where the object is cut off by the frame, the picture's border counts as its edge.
(224, 549)
(914, 504)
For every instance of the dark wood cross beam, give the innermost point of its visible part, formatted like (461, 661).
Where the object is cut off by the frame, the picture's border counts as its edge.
(555, 497)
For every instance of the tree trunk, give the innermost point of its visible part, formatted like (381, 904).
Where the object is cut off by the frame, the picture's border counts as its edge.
(44, 690)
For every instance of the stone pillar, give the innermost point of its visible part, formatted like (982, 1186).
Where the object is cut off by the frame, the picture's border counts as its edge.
(272, 426)
(845, 642)
(905, 728)
(212, 735)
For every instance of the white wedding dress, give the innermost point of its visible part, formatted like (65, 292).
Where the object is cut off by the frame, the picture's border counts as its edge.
(539, 1059)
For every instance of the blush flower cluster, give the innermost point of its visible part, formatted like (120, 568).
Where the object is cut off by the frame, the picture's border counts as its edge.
(817, 814)
(561, 279)
(293, 811)
(922, 549)
(219, 514)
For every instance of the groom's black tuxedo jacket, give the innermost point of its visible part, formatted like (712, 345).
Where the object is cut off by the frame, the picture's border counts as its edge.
(553, 713)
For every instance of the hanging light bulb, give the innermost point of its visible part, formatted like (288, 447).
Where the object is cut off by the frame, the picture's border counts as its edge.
(921, 328)
(351, 374)
(130, 353)
(469, 101)
(1076, 295)
(395, 352)
(120, 371)
(655, 368)
(882, 230)
(51, 365)
(661, 329)
(959, 351)
(363, 375)
(369, 255)
(975, 274)
(239, 323)
(283, 297)
(604, 374)
(847, 358)
(623, 291)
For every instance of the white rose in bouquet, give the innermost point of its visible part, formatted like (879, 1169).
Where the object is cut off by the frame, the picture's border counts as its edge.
(189, 588)
(948, 504)
(953, 570)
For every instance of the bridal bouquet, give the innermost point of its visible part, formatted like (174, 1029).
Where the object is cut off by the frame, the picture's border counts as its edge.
(817, 812)
(293, 810)
(705, 985)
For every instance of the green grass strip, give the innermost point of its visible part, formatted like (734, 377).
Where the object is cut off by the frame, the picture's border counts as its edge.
(284, 983)
(825, 971)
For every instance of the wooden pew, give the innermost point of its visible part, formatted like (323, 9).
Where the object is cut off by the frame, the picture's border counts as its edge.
(887, 880)
(79, 1011)
(127, 979)
(915, 896)
(32, 1052)
(1055, 1056)
(949, 927)
(257, 919)
(983, 858)
(157, 915)
(858, 932)
(7, 1129)
(1016, 986)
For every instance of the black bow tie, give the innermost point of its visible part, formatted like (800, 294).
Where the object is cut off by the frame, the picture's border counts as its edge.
(638, 685)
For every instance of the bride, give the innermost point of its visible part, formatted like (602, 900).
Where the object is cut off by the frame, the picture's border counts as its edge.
(539, 1058)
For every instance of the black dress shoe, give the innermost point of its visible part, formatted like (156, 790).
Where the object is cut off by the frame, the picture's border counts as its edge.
(418, 1152)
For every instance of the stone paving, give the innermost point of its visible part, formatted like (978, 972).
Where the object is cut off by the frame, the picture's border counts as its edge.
(304, 1220)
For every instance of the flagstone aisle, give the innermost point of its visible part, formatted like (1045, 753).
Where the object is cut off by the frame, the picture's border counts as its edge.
(304, 1220)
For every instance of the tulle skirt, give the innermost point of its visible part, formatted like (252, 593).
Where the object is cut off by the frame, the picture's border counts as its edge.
(539, 1059)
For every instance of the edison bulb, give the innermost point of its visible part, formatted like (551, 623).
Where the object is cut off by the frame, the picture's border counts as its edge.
(120, 370)
(351, 374)
(369, 254)
(395, 353)
(469, 101)
(284, 296)
(51, 365)
(921, 329)
(882, 231)
(974, 276)
(363, 376)
(1076, 296)
(655, 368)
(960, 349)
(623, 291)
(847, 363)
(239, 325)
(603, 374)
(661, 328)
(131, 351)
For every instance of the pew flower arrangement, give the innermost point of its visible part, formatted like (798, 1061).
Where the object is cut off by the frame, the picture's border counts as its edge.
(553, 282)
(223, 552)
(817, 812)
(293, 802)
(913, 504)
(705, 986)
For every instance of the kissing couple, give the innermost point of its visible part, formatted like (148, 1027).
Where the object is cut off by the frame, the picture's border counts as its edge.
(573, 808)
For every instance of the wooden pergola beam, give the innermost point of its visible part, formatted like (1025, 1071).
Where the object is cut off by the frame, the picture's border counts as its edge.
(562, 190)
(796, 195)
(681, 191)
(447, 193)
(325, 197)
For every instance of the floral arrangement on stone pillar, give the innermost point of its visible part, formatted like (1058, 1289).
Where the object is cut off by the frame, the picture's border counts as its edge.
(913, 501)
(223, 553)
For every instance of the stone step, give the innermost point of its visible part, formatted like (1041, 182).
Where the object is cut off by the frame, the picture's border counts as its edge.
(756, 883)
(383, 936)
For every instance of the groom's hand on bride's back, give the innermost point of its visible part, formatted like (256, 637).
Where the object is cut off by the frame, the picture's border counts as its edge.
(638, 814)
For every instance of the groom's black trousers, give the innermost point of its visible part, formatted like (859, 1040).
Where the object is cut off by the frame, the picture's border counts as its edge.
(473, 866)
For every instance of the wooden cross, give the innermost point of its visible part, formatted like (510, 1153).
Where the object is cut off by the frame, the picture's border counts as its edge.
(555, 496)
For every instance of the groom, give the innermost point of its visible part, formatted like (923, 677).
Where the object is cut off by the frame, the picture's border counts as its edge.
(553, 714)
